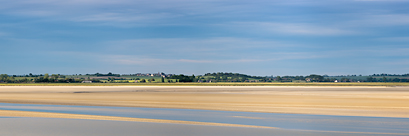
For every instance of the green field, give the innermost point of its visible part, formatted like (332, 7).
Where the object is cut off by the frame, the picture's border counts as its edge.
(365, 77)
(208, 84)
(127, 79)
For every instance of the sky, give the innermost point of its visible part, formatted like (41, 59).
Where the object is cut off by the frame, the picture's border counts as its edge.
(256, 37)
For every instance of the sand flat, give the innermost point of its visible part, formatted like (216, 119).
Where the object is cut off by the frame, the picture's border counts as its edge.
(12, 113)
(345, 101)
(69, 127)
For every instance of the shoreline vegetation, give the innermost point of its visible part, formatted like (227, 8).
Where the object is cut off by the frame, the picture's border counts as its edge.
(378, 84)
(220, 77)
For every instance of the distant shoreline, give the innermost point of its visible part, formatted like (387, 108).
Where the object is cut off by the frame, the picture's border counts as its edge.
(388, 84)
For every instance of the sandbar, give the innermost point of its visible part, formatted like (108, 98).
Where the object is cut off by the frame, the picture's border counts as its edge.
(342, 101)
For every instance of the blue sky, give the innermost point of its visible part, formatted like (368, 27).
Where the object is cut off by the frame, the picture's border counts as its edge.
(257, 37)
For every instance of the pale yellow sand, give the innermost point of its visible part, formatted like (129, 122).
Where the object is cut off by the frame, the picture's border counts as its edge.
(346, 101)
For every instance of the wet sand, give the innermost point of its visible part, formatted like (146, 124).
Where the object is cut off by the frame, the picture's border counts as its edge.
(66, 127)
(13, 113)
(344, 101)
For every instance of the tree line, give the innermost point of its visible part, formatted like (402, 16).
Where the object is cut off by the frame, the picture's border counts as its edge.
(46, 78)
(208, 77)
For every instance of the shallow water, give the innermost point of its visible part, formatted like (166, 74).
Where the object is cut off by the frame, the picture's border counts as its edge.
(288, 123)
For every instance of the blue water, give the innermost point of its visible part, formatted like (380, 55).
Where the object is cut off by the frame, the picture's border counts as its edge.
(283, 121)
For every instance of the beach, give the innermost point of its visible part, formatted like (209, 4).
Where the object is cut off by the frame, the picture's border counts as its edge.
(341, 101)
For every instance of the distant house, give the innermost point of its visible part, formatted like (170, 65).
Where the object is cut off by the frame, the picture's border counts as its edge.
(252, 80)
(86, 82)
(336, 81)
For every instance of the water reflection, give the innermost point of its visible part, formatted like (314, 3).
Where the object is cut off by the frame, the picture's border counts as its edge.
(289, 122)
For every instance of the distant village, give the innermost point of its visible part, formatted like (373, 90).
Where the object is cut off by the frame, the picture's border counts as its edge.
(161, 77)
(159, 74)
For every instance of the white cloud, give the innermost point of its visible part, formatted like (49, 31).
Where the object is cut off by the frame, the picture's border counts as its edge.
(124, 18)
(217, 50)
(152, 60)
(143, 60)
(3, 34)
(294, 28)
(379, 20)
(179, 12)
(84, 10)
(131, 60)
(394, 39)
(120, 11)
(384, 0)
(194, 61)
(194, 46)
(390, 19)
(146, 60)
